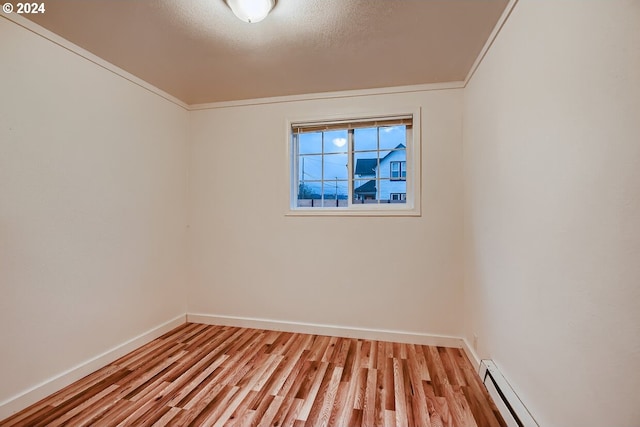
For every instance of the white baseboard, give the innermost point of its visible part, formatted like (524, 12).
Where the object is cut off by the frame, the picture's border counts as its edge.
(333, 330)
(47, 387)
(471, 354)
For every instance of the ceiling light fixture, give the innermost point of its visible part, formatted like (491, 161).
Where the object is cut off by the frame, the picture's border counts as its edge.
(251, 11)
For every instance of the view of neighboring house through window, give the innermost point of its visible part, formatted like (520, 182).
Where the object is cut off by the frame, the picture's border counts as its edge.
(398, 171)
(347, 164)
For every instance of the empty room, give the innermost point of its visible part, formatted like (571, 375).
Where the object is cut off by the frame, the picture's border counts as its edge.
(320, 212)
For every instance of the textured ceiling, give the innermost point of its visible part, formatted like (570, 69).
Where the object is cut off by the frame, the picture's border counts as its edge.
(199, 52)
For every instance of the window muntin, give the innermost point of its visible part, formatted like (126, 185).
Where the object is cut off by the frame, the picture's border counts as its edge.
(346, 165)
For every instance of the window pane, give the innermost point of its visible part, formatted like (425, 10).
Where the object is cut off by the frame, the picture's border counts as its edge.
(389, 188)
(309, 168)
(366, 165)
(335, 166)
(309, 203)
(336, 193)
(364, 191)
(336, 142)
(365, 139)
(310, 143)
(309, 194)
(392, 136)
(393, 164)
(340, 203)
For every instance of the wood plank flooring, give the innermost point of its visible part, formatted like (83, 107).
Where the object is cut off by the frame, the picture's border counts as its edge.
(202, 375)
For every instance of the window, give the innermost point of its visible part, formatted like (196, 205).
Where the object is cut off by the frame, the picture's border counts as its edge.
(398, 171)
(354, 166)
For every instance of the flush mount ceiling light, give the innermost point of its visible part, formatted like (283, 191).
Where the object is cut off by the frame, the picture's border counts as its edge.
(251, 11)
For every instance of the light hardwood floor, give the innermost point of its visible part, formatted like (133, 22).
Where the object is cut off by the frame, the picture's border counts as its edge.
(205, 375)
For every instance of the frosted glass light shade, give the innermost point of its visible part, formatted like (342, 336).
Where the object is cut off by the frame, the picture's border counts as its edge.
(251, 11)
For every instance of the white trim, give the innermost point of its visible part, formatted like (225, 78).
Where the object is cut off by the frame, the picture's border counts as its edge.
(492, 37)
(51, 385)
(471, 354)
(329, 95)
(331, 330)
(66, 44)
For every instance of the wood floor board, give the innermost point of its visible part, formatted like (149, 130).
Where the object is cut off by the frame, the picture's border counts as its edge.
(204, 375)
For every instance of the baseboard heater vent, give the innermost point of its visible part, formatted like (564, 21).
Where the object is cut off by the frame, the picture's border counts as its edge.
(513, 411)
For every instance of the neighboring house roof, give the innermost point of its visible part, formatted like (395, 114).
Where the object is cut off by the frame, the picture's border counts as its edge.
(368, 187)
(368, 166)
(391, 152)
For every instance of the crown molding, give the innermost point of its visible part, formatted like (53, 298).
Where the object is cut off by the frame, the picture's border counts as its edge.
(330, 95)
(67, 45)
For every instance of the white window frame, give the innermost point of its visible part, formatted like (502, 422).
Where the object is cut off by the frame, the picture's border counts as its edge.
(412, 206)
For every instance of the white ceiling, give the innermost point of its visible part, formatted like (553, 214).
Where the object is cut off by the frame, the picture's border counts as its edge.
(199, 52)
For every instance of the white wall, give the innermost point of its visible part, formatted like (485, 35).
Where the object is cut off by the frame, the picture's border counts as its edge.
(552, 209)
(92, 210)
(93, 207)
(250, 260)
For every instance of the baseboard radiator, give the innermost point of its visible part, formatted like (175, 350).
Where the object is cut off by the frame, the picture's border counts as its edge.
(513, 411)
